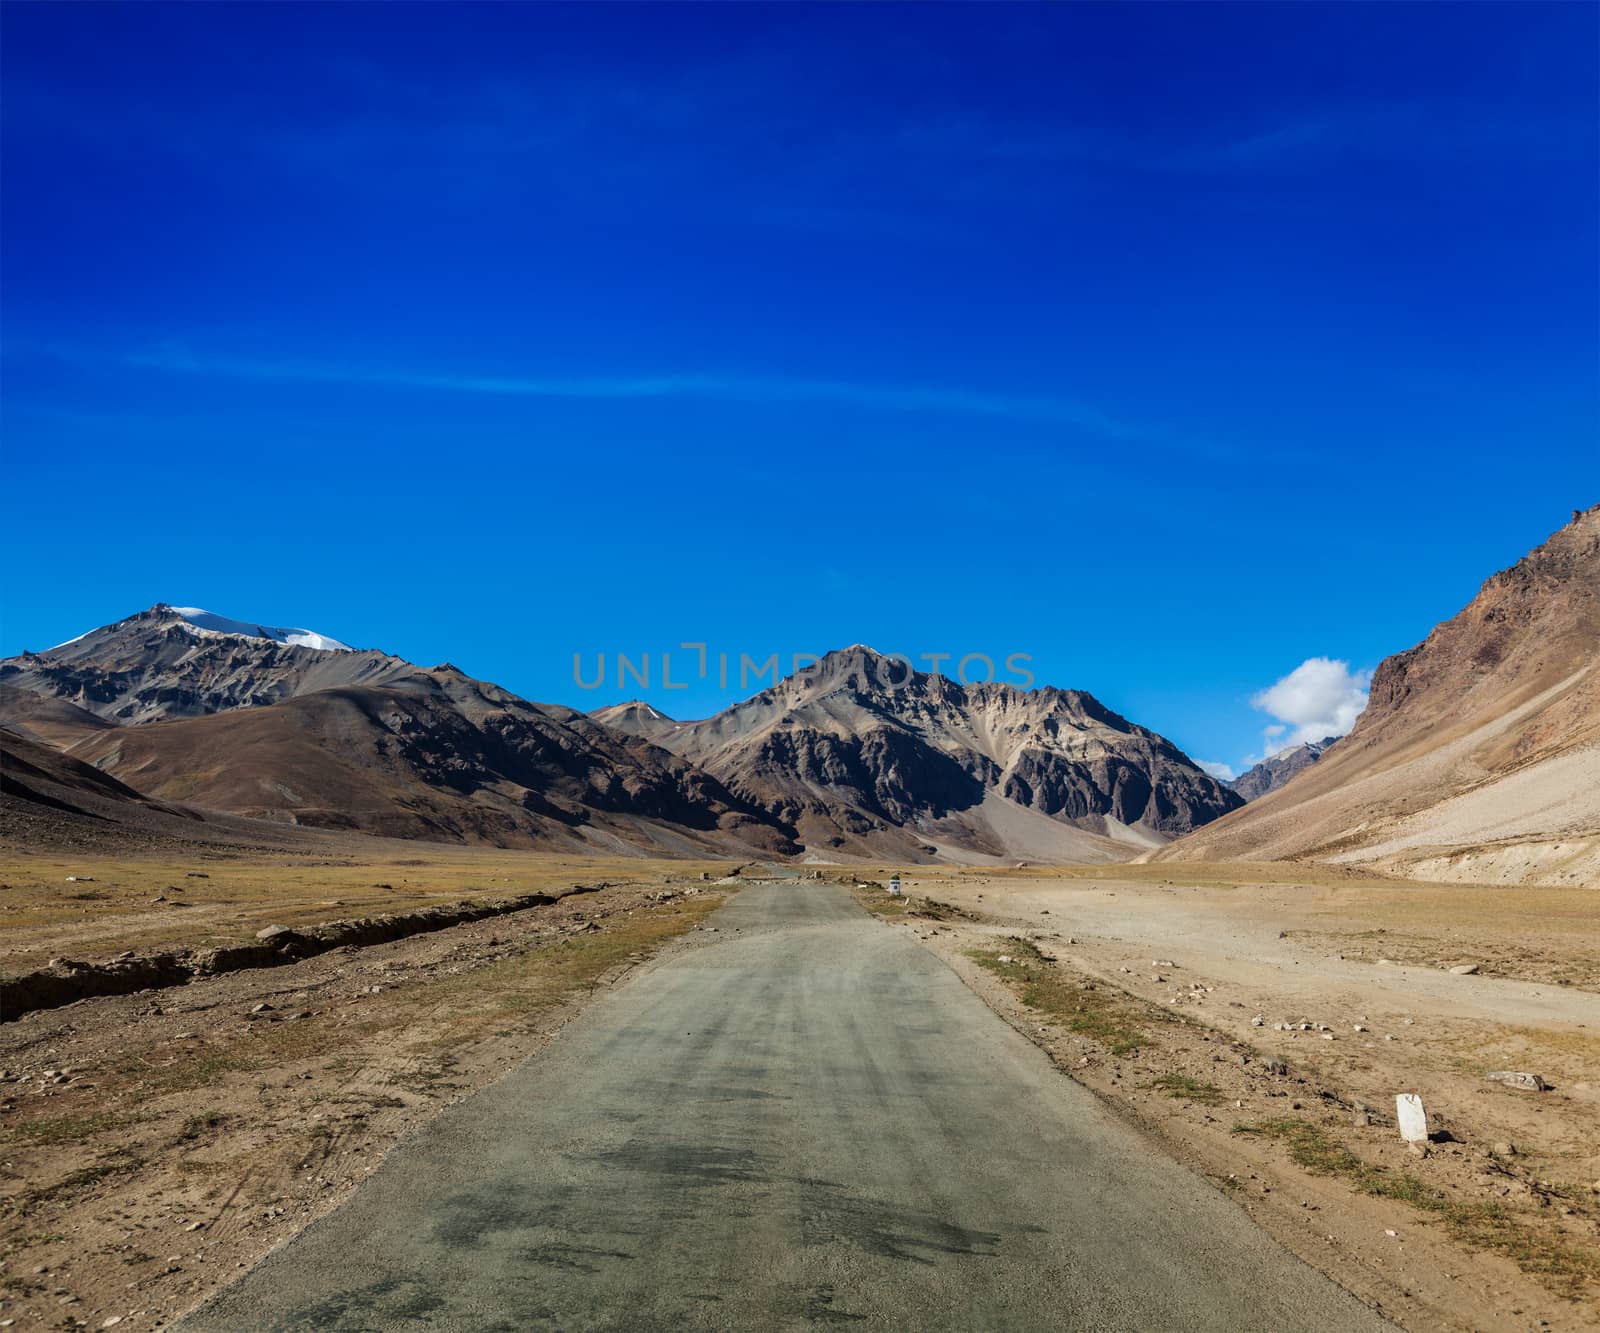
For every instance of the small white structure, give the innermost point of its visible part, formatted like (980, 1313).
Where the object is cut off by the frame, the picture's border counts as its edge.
(1413, 1119)
(894, 886)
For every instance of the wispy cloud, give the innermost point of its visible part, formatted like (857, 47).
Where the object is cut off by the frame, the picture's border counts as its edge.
(708, 385)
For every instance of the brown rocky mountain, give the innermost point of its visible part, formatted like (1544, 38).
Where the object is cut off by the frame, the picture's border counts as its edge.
(1275, 770)
(1478, 756)
(435, 755)
(863, 757)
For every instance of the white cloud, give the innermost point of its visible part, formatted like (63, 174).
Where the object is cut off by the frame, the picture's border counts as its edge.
(1222, 772)
(1320, 697)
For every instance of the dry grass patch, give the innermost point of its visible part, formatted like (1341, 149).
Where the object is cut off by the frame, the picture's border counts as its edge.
(1537, 1247)
(1113, 1018)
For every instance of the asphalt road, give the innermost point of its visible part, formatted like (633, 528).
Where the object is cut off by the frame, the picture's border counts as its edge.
(809, 1121)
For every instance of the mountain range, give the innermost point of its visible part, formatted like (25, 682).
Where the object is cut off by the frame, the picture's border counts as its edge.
(842, 761)
(1478, 755)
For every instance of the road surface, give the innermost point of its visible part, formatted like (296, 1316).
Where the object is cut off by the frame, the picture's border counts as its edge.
(808, 1121)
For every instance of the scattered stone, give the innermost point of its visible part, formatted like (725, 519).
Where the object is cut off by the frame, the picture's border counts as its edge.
(261, 1008)
(272, 932)
(198, 874)
(1363, 1120)
(112, 1322)
(1505, 1148)
(1359, 1027)
(1464, 970)
(1412, 1116)
(1273, 1065)
(80, 879)
(1514, 1078)
(1259, 1021)
(1005, 958)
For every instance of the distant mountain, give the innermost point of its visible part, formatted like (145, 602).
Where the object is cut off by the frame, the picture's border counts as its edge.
(337, 739)
(1478, 755)
(863, 757)
(636, 718)
(1272, 772)
(162, 664)
(208, 622)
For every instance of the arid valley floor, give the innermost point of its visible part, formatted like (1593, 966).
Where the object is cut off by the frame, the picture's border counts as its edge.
(156, 1145)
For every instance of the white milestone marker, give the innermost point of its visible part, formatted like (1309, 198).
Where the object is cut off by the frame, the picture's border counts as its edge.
(1413, 1119)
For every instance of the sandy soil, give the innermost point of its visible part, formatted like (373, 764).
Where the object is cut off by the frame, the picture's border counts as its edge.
(1192, 965)
(153, 1145)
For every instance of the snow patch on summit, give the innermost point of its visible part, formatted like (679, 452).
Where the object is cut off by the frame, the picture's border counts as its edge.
(201, 619)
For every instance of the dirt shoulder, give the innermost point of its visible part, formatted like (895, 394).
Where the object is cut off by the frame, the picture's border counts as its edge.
(1147, 993)
(153, 1146)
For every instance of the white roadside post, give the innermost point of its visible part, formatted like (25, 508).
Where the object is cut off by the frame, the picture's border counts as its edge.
(1413, 1119)
(894, 886)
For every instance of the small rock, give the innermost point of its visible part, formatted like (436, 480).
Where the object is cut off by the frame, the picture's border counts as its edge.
(1505, 1148)
(1464, 970)
(261, 1008)
(1362, 1120)
(1259, 1021)
(1273, 1065)
(1359, 1027)
(198, 874)
(1514, 1078)
(112, 1322)
(272, 932)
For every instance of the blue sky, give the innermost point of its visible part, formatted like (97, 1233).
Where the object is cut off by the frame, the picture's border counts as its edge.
(1171, 346)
